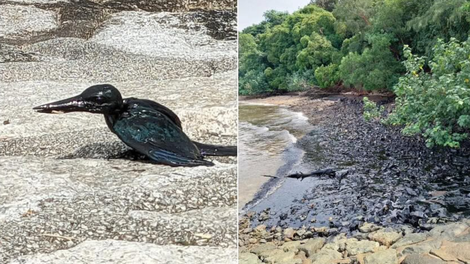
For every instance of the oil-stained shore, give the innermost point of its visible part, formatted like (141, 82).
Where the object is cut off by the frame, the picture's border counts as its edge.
(382, 178)
(66, 196)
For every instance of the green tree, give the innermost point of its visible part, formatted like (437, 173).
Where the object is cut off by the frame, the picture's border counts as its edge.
(271, 18)
(327, 76)
(375, 68)
(251, 67)
(356, 14)
(295, 48)
(436, 105)
(317, 51)
(328, 5)
(441, 19)
(359, 44)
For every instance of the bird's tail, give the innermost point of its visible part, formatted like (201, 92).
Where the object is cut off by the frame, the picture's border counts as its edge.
(215, 150)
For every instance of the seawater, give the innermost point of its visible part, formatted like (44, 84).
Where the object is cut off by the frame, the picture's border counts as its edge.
(267, 146)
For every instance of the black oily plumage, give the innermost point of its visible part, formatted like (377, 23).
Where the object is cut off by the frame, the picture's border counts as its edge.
(144, 125)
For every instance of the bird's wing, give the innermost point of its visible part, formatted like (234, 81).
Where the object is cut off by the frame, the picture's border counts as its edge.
(156, 107)
(156, 136)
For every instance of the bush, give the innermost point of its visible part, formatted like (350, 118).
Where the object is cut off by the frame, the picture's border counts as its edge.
(253, 82)
(296, 82)
(436, 105)
(300, 80)
(327, 76)
(371, 111)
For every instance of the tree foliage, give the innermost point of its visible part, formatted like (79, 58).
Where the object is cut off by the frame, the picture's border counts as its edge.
(375, 67)
(436, 104)
(371, 110)
(356, 14)
(284, 50)
(416, 48)
(327, 76)
(328, 5)
(271, 18)
(357, 43)
(251, 66)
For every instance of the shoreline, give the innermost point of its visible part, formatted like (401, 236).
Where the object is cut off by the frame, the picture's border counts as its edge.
(280, 100)
(259, 239)
(300, 102)
(280, 124)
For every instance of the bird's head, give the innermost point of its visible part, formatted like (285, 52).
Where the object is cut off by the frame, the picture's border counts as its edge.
(103, 98)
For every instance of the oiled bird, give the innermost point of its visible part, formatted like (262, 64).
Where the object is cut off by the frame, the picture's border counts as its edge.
(144, 125)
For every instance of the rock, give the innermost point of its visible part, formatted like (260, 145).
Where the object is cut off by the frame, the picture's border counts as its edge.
(422, 259)
(410, 239)
(388, 256)
(368, 227)
(361, 236)
(263, 216)
(248, 258)
(279, 256)
(289, 233)
(292, 246)
(301, 232)
(354, 247)
(333, 232)
(449, 231)
(10, 53)
(462, 237)
(308, 234)
(422, 247)
(165, 34)
(322, 230)
(260, 232)
(175, 6)
(18, 22)
(247, 230)
(259, 249)
(386, 238)
(325, 256)
(337, 243)
(453, 251)
(260, 228)
(342, 173)
(311, 246)
(302, 256)
(360, 258)
(69, 180)
(111, 251)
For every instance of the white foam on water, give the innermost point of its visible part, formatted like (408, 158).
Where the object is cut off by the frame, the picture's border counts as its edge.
(267, 138)
(293, 138)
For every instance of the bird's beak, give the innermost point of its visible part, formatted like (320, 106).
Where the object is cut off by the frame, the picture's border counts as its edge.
(72, 104)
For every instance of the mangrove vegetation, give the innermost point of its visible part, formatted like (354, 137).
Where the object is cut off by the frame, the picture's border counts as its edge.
(417, 49)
